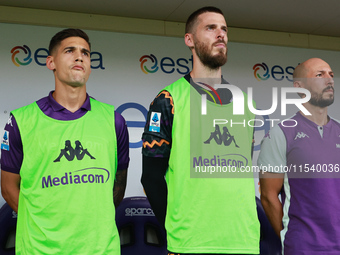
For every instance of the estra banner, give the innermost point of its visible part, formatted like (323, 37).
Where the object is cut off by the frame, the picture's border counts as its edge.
(129, 70)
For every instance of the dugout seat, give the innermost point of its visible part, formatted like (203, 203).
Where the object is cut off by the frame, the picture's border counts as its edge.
(8, 221)
(270, 243)
(139, 230)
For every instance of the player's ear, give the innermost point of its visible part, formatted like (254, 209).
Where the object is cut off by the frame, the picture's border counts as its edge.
(297, 84)
(50, 63)
(189, 40)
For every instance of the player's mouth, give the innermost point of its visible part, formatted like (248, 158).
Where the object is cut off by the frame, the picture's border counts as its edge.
(78, 67)
(329, 89)
(220, 45)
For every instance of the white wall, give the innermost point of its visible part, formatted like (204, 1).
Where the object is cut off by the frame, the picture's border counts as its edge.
(123, 81)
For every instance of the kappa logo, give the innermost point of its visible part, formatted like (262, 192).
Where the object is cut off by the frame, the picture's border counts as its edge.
(79, 152)
(219, 137)
(300, 135)
(9, 122)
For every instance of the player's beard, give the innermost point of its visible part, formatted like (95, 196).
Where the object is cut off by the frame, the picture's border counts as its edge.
(318, 100)
(204, 53)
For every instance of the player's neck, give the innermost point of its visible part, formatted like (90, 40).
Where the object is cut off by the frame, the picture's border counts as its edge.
(319, 115)
(72, 98)
(201, 71)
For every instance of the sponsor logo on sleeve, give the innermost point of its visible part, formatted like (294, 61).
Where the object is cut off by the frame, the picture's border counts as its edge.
(155, 122)
(5, 141)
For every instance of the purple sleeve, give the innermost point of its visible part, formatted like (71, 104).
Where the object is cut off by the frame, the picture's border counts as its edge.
(122, 142)
(11, 157)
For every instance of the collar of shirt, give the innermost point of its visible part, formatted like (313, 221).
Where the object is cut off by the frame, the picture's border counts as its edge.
(224, 95)
(50, 107)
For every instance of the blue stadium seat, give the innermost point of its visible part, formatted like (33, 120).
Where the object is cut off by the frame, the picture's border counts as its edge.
(139, 230)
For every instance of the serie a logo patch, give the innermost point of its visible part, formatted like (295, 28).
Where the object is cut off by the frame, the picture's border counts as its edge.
(5, 141)
(155, 122)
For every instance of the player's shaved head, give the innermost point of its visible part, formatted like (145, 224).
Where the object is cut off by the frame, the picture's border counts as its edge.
(316, 76)
(301, 71)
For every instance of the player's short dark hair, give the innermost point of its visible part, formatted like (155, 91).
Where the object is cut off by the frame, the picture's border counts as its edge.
(191, 21)
(66, 33)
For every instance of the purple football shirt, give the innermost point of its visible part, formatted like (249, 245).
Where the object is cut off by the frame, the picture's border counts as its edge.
(11, 159)
(311, 205)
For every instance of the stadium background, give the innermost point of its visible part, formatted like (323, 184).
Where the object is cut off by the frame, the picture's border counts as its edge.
(126, 49)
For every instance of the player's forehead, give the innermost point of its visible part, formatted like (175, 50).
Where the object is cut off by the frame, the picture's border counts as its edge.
(317, 65)
(74, 42)
(209, 18)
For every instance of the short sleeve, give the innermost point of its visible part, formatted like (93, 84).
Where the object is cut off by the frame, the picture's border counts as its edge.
(11, 147)
(273, 151)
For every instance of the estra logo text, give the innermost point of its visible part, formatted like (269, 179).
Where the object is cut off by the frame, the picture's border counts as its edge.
(149, 64)
(263, 72)
(23, 56)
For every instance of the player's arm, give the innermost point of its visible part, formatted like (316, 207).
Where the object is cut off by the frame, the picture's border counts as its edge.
(10, 188)
(271, 185)
(122, 157)
(154, 184)
(156, 153)
(119, 186)
(273, 153)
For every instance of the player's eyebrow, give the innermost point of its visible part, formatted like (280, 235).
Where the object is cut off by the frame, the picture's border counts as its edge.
(323, 71)
(73, 48)
(86, 50)
(70, 48)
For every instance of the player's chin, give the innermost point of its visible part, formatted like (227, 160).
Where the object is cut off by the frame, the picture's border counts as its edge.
(329, 96)
(77, 84)
(221, 50)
